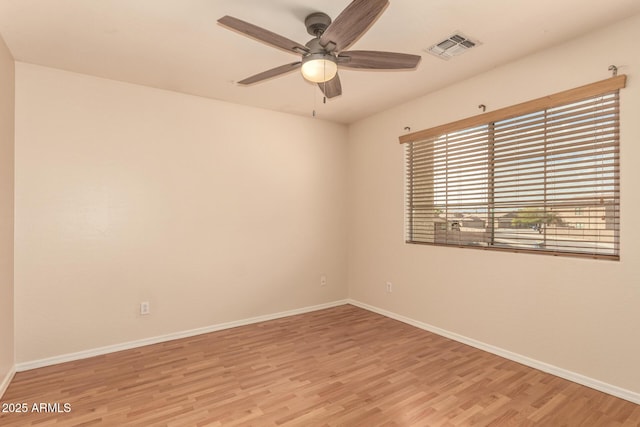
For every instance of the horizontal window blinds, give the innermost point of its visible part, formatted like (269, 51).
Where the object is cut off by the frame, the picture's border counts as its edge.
(546, 182)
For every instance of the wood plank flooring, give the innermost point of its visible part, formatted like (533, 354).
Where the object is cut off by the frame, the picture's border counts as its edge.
(342, 366)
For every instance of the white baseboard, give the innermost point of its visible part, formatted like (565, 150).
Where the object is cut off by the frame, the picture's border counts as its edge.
(545, 367)
(6, 380)
(25, 366)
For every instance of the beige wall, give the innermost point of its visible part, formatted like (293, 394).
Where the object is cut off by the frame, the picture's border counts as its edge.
(6, 213)
(213, 212)
(579, 315)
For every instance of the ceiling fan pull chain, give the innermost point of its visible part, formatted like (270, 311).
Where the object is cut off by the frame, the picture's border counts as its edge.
(324, 70)
(315, 101)
(324, 82)
(324, 98)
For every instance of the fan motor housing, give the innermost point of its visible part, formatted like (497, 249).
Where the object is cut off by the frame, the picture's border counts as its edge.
(317, 23)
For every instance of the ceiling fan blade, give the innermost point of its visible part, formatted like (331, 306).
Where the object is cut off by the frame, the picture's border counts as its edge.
(331, 88)
(274, 72)
(376, 60)
(262, 35)
(352, 23)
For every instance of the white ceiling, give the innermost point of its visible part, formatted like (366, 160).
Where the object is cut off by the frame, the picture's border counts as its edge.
(177, 44)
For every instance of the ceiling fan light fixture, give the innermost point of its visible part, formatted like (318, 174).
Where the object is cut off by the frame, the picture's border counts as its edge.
(319, 67)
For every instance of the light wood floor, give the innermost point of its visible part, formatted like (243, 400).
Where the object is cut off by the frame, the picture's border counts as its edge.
(338, 367)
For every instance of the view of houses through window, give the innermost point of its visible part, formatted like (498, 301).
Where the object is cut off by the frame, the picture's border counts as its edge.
(546, 181)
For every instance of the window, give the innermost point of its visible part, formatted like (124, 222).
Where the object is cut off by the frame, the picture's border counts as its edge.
(539, 177)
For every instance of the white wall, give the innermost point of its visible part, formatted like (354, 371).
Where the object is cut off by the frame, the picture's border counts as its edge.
(6, 215)
(213, 212)
(579, 315)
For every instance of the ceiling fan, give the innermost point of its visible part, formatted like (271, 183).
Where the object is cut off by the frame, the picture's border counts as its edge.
(322, 55)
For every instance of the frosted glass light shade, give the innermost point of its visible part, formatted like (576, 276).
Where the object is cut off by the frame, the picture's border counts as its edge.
(318, 70)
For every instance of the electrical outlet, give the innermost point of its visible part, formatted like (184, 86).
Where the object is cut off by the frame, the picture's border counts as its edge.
(145, 308)
(389, 287)
(323, 280)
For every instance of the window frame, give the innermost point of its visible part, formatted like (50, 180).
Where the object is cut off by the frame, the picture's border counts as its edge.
(537, 106)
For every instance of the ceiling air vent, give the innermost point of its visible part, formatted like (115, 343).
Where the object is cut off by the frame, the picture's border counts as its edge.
(453, 45)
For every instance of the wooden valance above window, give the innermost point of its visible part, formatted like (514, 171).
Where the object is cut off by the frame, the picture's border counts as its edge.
(560, 98)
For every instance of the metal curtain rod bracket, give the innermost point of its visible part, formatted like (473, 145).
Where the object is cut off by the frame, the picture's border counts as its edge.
(483, 107)
(614, 70)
